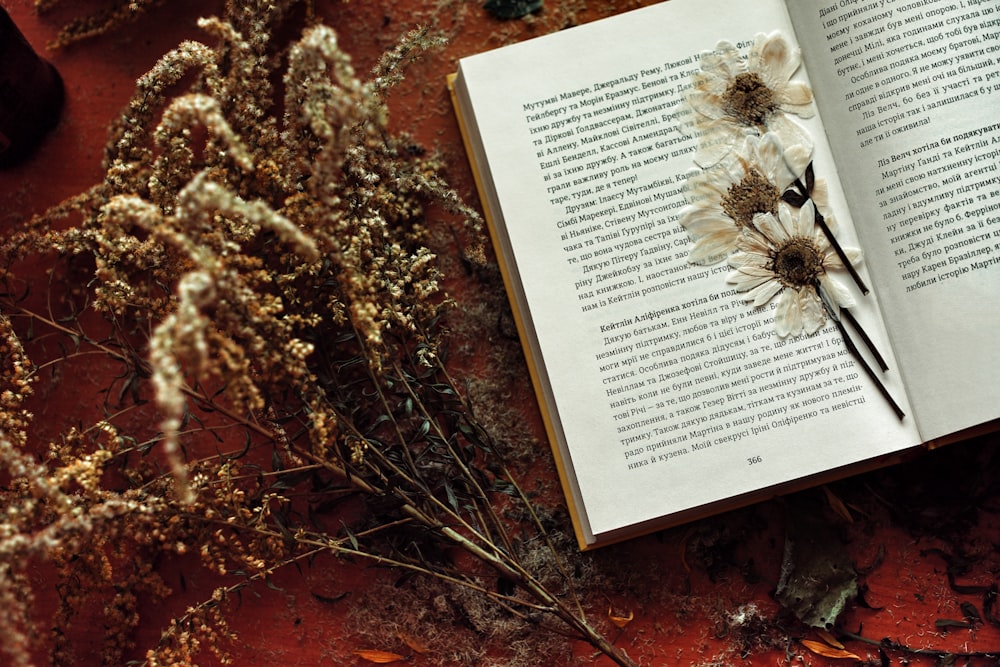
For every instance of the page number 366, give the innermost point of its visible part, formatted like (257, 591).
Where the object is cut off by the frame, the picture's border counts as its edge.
(754, 459)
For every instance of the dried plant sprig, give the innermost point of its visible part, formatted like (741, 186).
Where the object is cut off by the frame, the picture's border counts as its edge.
(119, 13)
(104, 20)
(262, 268)
(46, 517)
(15, 385)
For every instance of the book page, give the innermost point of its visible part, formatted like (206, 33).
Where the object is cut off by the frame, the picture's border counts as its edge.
(668, 391)
(910, 94)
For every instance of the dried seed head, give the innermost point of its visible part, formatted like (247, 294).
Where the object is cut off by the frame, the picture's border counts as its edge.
(753, 194)
(797, 262)
(749, 100)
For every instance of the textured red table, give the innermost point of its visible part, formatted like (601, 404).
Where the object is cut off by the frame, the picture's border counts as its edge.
(697, 595)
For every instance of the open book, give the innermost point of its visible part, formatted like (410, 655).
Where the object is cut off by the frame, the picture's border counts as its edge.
(666, 395)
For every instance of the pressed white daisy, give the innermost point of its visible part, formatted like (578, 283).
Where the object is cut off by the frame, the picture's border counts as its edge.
(789, 254)
(724, 199)
(733, 96)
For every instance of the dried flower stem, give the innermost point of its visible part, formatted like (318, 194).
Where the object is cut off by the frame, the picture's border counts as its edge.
(835, 313)
(804, 191)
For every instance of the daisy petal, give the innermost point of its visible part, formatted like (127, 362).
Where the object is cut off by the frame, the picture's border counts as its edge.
(756, 246)
(724, 61)
(712, 249)
(797, 94)
(771, 157)
(686, 118)
(748, 272)
(787, 316)
(736, 260)
(709, 84)
(835, 292)
(700, 220)
(770, 228)
(792, 134)
(764, 293)
(722, 132)
(813, 313)
(805, 221)
(789, 220)
(776, 58)
(797, 155)
(749, 260)
(708, 104)
(745, 279)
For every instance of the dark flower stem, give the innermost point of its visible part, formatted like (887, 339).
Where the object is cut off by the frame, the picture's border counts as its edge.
(849, 316)
(798, 197)
(821, 221)
(852, 348)
(835, 312)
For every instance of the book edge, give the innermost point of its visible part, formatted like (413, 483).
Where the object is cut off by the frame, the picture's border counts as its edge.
(576, 510)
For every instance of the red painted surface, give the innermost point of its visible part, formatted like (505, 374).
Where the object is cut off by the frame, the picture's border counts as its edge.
(903, 515)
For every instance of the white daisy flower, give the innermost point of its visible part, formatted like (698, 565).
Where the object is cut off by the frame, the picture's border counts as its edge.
(724, 199)
(732, 97)
(790, 255)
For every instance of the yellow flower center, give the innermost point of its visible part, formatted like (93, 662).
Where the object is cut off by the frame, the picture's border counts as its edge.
(749, 99)
(753, 194)
(797, 262)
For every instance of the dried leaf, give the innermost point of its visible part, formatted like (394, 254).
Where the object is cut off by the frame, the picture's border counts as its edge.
(946, 623)
(837, 505)
(415, 644)
(989, 602)
(828, 651)
(379, 657)
(620, 621)
(828, 638)
(970, 613)
(329, 599)
(817, 577)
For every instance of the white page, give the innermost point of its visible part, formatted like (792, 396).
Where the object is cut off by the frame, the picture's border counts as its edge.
(634, 400)
(910, 94)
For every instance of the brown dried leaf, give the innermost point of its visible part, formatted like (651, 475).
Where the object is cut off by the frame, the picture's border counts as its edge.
(828, 651)
(415, 644)
(379, 657)
(620, 621)
(838, 506)
(828, 638)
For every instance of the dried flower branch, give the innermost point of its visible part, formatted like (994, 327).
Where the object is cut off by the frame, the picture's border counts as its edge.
(258, 256)
(117, 14)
